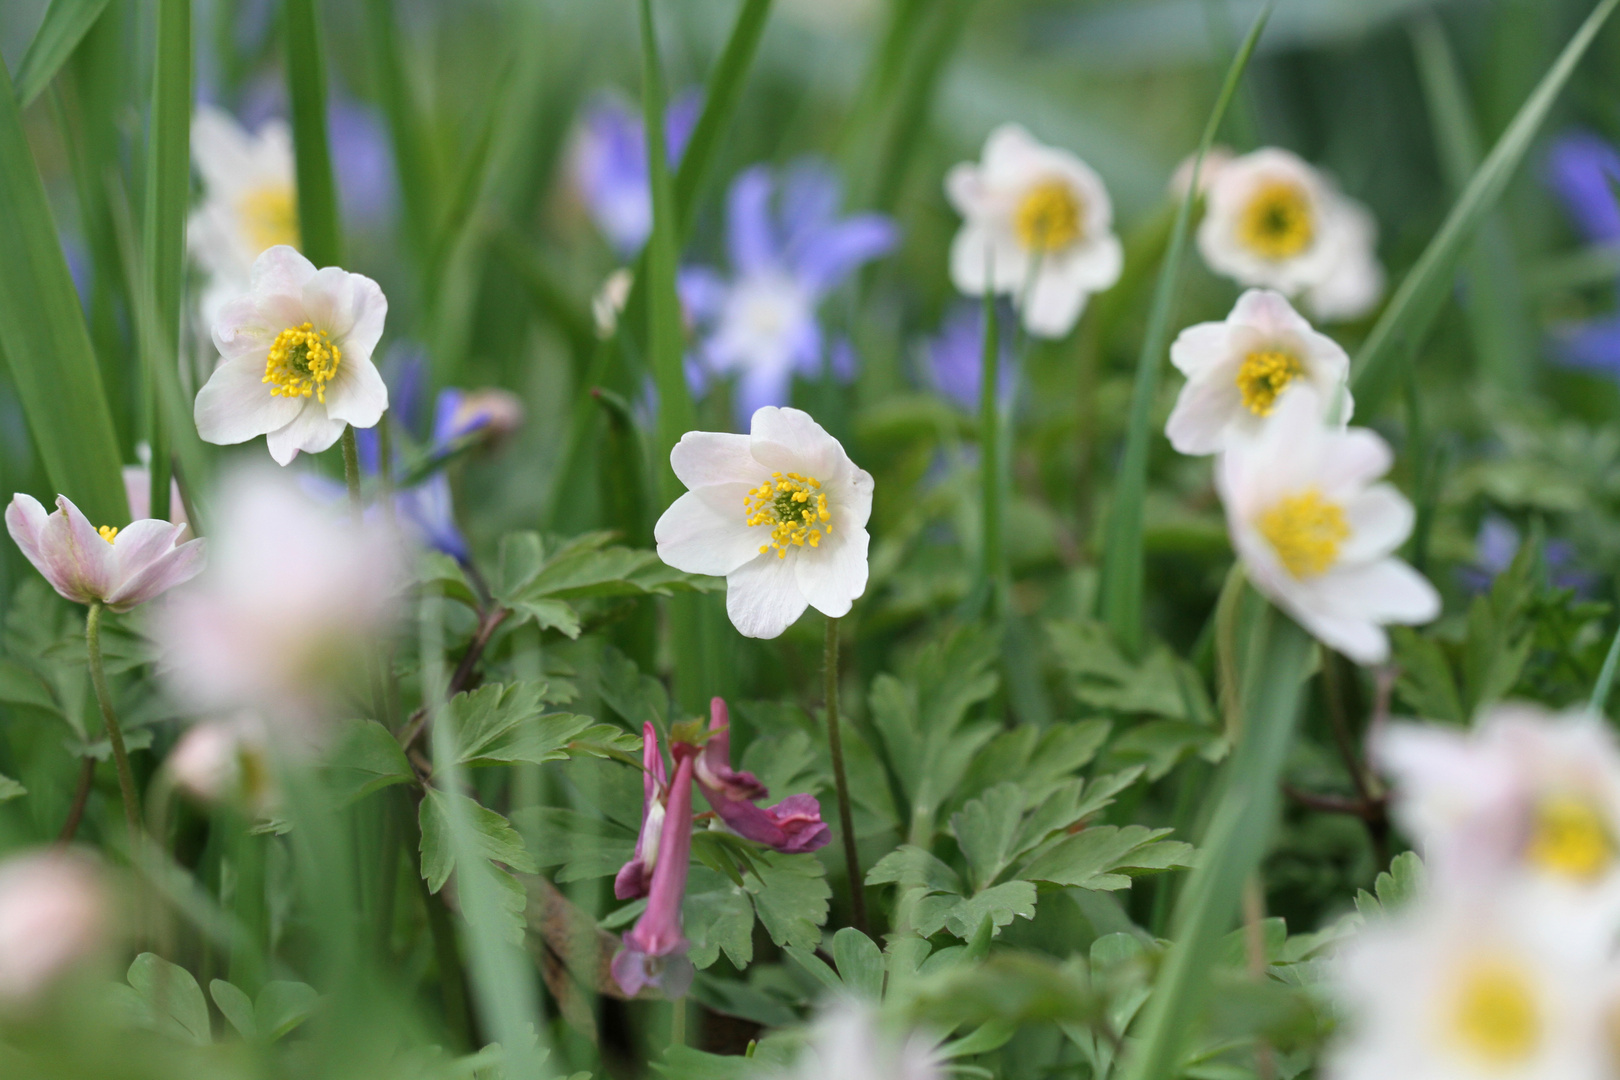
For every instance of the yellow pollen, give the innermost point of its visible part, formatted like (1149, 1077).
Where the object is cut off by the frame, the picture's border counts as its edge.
(301, 362)
(1569, 838)
(269, 216)
(794, 507)
(1263, 376)
(108, 532)
(1049, 216)
(1493, 1014)
(1278, 223)
(1305, 531)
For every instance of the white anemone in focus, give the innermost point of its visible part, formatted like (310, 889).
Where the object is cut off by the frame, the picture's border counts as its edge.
(1471, 991)
(295, 599)
(296, 358)
(1236, 370)
(1037, 226)
(1275, 222)
(1317, 534)
(54, 916)
(250, 200)
(849, 1043)
(780, 513)
(118, 567)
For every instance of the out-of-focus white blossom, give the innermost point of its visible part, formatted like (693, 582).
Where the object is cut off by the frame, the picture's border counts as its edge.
(850, 1042)
(608, 303)
(54, 916)
(224, 762)
(1214, 162)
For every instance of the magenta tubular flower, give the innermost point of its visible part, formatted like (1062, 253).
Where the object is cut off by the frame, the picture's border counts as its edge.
(792, 825)
(635, 877)
(654, 951)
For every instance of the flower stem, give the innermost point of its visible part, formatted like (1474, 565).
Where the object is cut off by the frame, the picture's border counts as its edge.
(98, 678)
(351, 467)
(835, 746)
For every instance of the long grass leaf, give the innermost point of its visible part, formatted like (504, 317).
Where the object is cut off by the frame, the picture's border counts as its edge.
(1231, 850)
(1415, 304)
(1122, 570)
(319, 229)
(990, 444)
(415, 166)
(909, 118)
(64, 26)
(44, 337)
(721, 96)
(168, 188)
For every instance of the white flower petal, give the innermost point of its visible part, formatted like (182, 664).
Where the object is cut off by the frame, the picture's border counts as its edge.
(1388, 591)
(706, 532)
(369, 314)
(241, 329)
(1380, 520)
(1204, 413)
(984, 256)
(25, 520)
(833, 576)
(357, 395)
(789, 440)
(281, 271)
(159, 576)
(763, 597)
(235, 405)
(1201, 347)
(311, 431)
(714, 457)
(86, 558)
(329, 301)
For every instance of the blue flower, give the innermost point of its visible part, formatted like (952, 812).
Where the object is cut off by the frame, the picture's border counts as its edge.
(1497, 545)
(1583, 171)
(760, 324)
(956, 354)
(610, 166)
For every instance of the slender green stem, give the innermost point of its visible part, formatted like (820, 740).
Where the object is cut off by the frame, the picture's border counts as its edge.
(990, 452)
(835, 746)
(677, 1022)
(1226, 652)
(351, 467)
(115, 735)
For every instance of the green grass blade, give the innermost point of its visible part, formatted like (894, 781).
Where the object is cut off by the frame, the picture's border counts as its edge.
(168, 190)
(1231, 850)
(318, 225)
(1418, 300)
(1122, 569)
(416, 167)
(1605, 679)
(549, 296)
(990, 471)
(65, 24)
(721, 96)
(909, 120)
(45, 340)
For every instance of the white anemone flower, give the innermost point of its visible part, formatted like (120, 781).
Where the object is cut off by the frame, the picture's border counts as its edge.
(1472, 991)
(850, 1042)
(780, 513)
(250, 200)
(297, 358)
(1314, 531)
(1237, 368)
(55, 915)
(285, 619)
(1037, 225)
(1275, 222)
(122, 568)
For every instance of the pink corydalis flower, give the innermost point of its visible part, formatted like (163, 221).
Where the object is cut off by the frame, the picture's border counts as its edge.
(654, 951)
(635, 878)
(793, 825)
(117, 567)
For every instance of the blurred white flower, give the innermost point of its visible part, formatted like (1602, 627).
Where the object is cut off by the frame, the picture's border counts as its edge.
(1316, 534)
(1470, 991)
(295, 600)
(608, 303)
(54, 916)
(224, 762)
(138, 487)
(850, 1043)
(1237, 368)
(119, 567)
(780, 513)
(250, 200)
(1275, 222)
(1523, 794)
(1037, 226)
(297, 358)
(1214, 162)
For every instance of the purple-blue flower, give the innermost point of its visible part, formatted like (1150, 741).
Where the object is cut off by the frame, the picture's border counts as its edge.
(610, 166)
(1583, 171)
(956, 354)
(788, 249)
(1497, 545)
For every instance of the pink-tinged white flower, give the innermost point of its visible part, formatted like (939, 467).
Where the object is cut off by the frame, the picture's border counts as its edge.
(284, 620)
(118, 567)
(792, 825)
(654, 952)
(55, 916)
(138, 487)
(851, 1042)
(635, 877)
(1273, 221)
(1237, 368)
(1037, 226)
(1524, 795)
(1479, 988)
(224, 763)
(1317, 534)
(296, 358)
(781, 513)
(1214, 162)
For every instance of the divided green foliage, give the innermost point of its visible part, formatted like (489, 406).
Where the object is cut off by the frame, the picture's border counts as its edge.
(787, 894)
(493, 839)
(282, 1005)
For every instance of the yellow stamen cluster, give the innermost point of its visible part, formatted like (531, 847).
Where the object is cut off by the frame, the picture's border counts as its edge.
(1494, 1016)
(301, 362)
(1049, 217)
(1570, 838)
(794, 507)
(1278, 222)
(269, 216)
(108, 532)
(1263, 376)
(1306, 531)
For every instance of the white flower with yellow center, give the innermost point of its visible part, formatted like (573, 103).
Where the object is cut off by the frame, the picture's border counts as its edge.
(1472, 991)
(297, 358)
(1316, 533)
(780, 513)
(1237, 369)
(1273, 221)
(1037, 226)
(250, 200)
